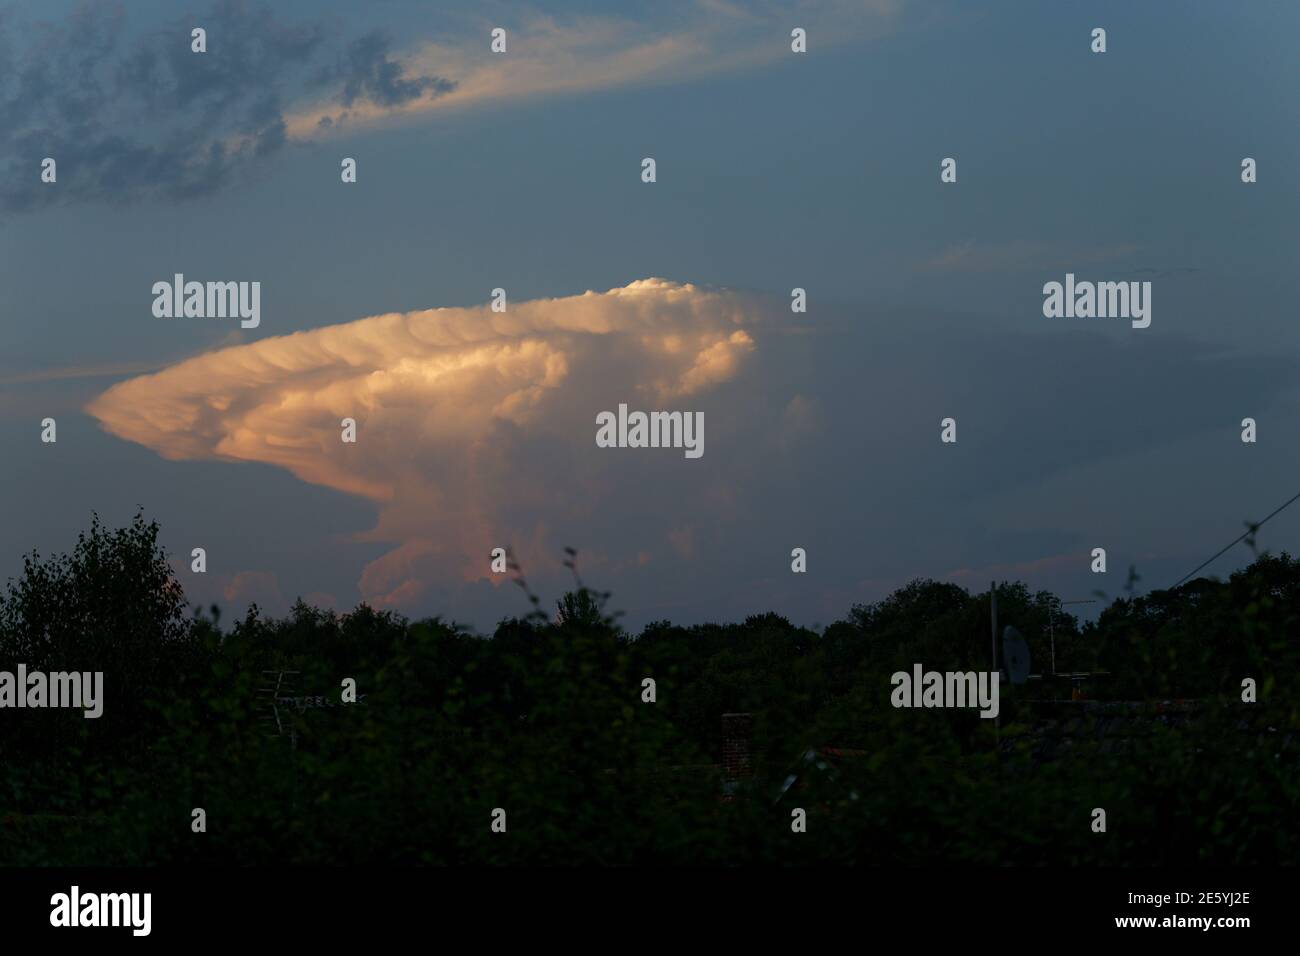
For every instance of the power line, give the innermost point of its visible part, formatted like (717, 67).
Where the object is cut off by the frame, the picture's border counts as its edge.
(1251, 528)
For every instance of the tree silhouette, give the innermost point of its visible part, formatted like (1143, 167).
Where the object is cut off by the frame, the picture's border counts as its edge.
(579, 609)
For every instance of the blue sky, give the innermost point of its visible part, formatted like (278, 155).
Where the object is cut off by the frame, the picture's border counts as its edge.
(775, 170)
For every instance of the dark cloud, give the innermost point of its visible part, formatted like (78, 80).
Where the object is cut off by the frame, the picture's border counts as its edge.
(369, 73)
(141, 116)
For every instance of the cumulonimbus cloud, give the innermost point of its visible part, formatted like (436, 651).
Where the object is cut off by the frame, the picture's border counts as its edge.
(457, 410)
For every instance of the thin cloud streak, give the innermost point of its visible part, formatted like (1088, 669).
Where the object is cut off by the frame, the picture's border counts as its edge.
(548, 57)
(79, 372)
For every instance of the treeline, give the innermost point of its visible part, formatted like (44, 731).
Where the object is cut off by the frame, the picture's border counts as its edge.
(546, 719)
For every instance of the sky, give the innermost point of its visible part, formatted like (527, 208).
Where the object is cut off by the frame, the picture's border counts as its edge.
(775, 170)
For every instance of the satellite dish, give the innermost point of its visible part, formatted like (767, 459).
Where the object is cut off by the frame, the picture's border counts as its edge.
(1015, 655)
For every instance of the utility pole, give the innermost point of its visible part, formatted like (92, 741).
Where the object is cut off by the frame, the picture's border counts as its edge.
(1051, 624)
(993, 612)
(1051, 629)
(993, 609)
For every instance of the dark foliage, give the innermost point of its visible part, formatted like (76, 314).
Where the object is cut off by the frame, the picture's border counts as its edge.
(546, 719)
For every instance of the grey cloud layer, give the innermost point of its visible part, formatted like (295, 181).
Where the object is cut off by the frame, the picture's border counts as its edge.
(133, 117)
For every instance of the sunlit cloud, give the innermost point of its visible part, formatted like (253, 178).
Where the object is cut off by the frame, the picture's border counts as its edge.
(468, 420)
(547, 56)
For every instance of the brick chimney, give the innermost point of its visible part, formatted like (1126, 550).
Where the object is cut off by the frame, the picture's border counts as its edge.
(737, 730)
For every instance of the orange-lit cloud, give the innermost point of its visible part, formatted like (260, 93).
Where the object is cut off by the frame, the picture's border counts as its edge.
(546, 56)
(468, 421)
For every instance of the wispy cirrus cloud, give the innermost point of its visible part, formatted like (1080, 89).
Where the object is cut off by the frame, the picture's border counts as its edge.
(547, 55)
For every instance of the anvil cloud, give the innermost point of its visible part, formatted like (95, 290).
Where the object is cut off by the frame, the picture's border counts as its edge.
(474, 428)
